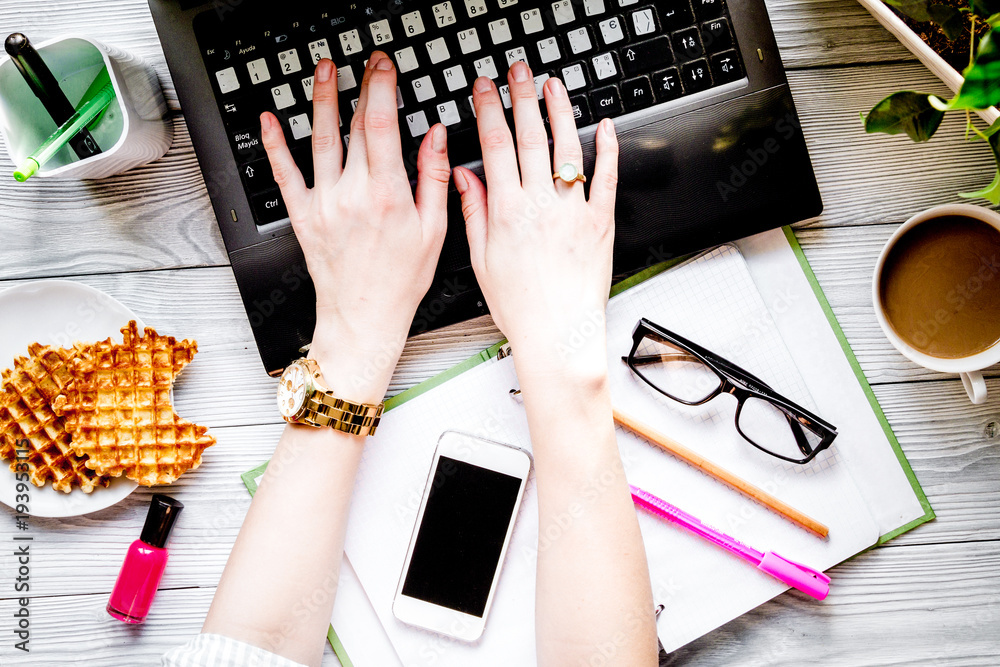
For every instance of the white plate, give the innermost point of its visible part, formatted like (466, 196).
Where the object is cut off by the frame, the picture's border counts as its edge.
(58, 312)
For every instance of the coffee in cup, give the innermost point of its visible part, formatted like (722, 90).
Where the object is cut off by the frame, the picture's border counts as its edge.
(937, 291)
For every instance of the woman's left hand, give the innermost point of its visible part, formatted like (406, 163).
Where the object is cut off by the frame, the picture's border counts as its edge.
(370, 248)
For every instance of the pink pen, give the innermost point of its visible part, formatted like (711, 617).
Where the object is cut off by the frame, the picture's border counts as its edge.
(807, 580)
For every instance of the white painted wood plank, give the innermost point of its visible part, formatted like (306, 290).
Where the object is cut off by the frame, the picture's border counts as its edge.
(929, 605)
(876, 178)
(76, 630)
(152, 217)
(935, 604)
(813, 33)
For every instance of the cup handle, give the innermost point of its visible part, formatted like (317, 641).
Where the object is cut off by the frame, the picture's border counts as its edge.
(975, 386)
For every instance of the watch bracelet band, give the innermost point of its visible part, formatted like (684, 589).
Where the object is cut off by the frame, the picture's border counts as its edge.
(344, 416)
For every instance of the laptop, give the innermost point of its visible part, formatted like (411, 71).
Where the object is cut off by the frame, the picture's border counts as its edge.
(711, 145)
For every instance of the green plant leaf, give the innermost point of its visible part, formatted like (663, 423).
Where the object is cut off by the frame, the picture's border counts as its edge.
(992, 191)
(906, 112)
(981, 87)
(948, 18)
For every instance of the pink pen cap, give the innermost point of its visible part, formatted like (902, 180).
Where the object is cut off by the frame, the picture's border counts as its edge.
(805, 579)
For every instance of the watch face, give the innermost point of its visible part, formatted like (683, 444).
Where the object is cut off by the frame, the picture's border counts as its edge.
(292, 391)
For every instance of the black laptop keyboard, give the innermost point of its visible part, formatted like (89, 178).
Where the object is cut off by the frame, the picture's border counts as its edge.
(615, 57)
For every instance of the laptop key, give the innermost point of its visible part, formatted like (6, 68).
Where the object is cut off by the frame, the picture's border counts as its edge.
(643, 22)
(687, 44)
(581, 110)
(606, 102)
(667, 84)
(240, 112)
(716, 36)
(605, 66)
(612, 31)
(647, 56)
(247, 144)
(269, 207)
(674, 14)
(696, 75)
(725, 67)
(228, 80)
(708, 9)
(257, 176)
(574, 76)
(637, 93)
(580, 40)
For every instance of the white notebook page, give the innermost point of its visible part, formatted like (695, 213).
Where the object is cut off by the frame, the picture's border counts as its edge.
(712, 301)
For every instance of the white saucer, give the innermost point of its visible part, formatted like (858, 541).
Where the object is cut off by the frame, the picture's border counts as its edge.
(58, 312)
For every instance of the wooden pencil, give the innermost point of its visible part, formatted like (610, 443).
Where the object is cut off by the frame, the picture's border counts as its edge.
(670, 445)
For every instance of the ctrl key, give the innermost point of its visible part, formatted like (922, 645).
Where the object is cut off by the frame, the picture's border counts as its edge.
(269, 207)
(606, 102)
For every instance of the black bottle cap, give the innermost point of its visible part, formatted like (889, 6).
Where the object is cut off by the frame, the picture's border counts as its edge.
(163, 511)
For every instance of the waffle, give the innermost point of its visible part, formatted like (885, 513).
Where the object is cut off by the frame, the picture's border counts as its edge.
(26, 416)
(118, 409)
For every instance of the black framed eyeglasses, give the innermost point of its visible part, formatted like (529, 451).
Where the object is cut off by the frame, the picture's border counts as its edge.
(692, 375)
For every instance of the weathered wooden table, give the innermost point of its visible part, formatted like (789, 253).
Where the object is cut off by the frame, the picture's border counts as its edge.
(149, 238)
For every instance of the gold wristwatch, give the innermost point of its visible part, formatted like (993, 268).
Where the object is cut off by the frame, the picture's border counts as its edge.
(304, 399)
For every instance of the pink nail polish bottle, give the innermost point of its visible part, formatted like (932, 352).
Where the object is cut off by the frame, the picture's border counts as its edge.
(144, 562)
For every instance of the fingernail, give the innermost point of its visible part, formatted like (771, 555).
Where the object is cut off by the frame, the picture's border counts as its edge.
(266, 123)
(324, 71)
(519, 71)
(384, 64)
(556, 87)
(439, 139)
(609, 127)
(483, 84)
(461, 183)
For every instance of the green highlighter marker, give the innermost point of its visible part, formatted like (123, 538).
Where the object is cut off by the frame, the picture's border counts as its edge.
(85, 115)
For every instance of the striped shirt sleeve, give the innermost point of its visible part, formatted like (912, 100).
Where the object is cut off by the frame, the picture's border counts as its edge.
(210, 650)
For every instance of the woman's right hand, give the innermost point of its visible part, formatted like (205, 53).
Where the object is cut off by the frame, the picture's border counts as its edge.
(541, 251)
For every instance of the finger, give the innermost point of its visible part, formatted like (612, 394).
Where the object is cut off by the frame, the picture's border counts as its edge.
(382, 142)
(566, 141)
(433, 174)
(286, 173)
(499, 160)
(605, 183)
(532, 141)
(357, 151)
(328, 152)
(474, 210)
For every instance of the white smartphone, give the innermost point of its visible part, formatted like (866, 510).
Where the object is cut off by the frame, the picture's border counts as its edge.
(463, 527)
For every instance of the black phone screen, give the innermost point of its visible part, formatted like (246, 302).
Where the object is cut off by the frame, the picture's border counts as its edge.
(457, 550)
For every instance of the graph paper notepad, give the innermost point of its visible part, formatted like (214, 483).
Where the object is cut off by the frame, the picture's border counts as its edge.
(767, 314)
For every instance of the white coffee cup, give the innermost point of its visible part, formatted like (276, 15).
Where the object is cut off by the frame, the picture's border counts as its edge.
(970, 368)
